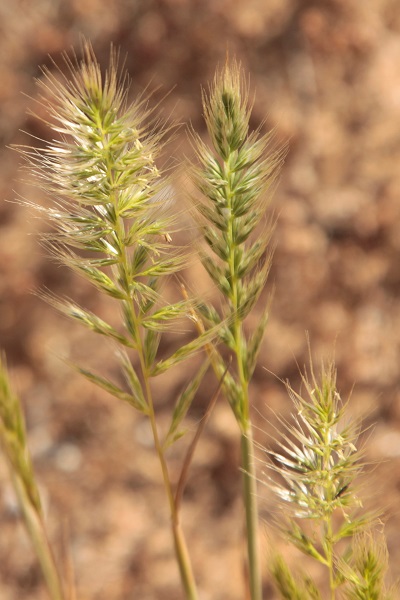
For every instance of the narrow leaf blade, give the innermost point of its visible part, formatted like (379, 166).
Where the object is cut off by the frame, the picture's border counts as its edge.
(133, 380)
(185, 351)
(111, 388)
(254, 344)
(183, 404)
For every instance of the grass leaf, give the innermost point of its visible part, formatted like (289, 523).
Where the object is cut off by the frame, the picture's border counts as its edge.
(150, 346)
(163, 318)
(254, 344)
(133, 381)
(111, 388)
(183, 404)
(185, 351)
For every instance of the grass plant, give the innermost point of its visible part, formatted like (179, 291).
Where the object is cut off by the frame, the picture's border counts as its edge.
(234, 178)
(14, 445)
(314, 473)
(112, 226)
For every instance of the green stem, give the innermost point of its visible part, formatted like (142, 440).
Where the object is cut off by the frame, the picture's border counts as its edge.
(184, 563)
(328, 527)
(328, 533)
(181, 551)
(249, 483)
(243, 416)
(251, 506)
(35, 528)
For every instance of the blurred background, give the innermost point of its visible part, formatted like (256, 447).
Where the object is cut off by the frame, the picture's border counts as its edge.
(326, 77)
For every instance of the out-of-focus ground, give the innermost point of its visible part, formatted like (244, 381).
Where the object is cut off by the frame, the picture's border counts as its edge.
(327, 78)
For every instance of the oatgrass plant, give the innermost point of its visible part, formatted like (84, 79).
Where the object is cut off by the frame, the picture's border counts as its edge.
(14, 444)
(234, 178)
(111, 226)
(313, 473)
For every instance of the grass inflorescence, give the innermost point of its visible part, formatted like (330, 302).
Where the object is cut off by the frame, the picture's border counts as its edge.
(111, 227)
(13, 442)
(313, 473)
(234, 178)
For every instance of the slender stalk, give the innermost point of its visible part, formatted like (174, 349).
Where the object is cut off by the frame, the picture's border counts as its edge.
(327, 525)
(327, 477)
(180, 546)
(247, 446)
(181, 550)
(39, 541)
(183, 559)
(110, 204)
(14, 443)
(249, 477)
(250, 501)
(328, 533)
(233, 179)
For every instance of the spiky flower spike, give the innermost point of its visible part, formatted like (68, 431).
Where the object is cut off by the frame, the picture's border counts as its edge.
(366, 573)
(109, 202)
(14, 444)
(234, 179)
(316, 466)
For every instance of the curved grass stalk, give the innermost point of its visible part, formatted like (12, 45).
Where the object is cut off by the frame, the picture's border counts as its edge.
(14, 444)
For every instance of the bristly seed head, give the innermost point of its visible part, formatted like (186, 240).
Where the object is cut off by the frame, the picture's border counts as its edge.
(317, 460)
(234, 178)
(226, 110)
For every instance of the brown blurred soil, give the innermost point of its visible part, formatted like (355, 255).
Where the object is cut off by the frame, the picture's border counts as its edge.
(326, 77)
